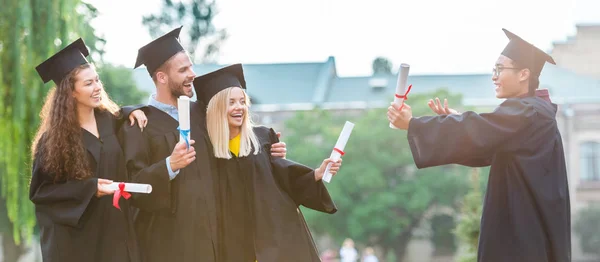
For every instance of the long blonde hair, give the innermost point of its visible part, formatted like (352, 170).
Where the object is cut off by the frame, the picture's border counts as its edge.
(218, 126)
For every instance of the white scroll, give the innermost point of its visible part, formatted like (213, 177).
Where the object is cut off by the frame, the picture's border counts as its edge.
(401, 86)
(338, 150)
(132, 187)
(183, 107)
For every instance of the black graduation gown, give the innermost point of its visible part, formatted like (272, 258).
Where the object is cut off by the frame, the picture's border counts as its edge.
(177, 221)
(526, 214)
(74, 224)
(259, 196)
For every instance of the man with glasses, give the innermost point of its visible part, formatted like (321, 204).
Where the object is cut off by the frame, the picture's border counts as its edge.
(526, 213)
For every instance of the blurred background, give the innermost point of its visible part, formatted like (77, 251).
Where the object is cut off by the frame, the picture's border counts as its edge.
(311, 65)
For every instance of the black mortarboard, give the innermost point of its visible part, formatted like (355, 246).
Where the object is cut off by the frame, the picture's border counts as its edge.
(60, 64)
(210, 84)
(157, 52)
(525, 54)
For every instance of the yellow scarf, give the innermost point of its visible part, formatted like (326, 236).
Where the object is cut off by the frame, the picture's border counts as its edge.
(234, 145)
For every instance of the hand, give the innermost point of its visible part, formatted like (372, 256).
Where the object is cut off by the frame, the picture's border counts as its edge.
(335, 167)
(181, 156)
(103, 188)
(279, 149)
(141, 118)
(436, 107)
(399, 119)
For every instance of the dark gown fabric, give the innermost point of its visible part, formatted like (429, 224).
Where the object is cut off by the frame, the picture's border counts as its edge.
(177, 221)
(526, 213)
(75, 225)
(258, 202)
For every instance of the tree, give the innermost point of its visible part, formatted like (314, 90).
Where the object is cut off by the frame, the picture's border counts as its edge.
(94, 42)
(381, 196)
(382, 65)
(442, 237)
(197, 13)
(586, 227)
(468, 227)
(120, 86)
(118, 80)
(30, 31)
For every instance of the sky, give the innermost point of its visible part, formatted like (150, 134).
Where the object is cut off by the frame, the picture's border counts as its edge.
(433, 36)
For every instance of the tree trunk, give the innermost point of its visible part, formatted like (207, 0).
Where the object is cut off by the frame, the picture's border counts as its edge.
(11, 251)
(400, 248)
(384, 253)
(401, 242)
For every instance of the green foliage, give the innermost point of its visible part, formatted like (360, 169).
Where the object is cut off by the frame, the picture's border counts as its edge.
(442, 237)
(199, 15)
(94, 42)
(467, 229)
(381, 65)
(30, 31)
(381, 196)
(588, 230)
(120, 86)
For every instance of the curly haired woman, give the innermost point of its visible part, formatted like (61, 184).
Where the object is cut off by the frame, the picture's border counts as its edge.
(76, 155)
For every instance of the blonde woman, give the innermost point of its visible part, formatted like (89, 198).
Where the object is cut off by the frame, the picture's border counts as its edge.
(258, 195)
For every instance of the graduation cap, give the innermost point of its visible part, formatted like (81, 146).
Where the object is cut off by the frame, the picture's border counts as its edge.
(60, 64)
(157, 52)
(526, 54)
(210, 84)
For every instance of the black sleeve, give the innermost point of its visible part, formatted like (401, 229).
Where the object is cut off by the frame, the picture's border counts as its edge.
(64, 202)
(126, 111)
(469, 138)
(299, 181)
(140, 170)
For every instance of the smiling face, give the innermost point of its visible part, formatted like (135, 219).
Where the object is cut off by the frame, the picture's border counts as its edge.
(88, 88)
(236, 109)
(180, 75)
(228, 116)
(510, 80)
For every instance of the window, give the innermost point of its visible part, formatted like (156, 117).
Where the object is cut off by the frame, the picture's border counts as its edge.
(590, 161)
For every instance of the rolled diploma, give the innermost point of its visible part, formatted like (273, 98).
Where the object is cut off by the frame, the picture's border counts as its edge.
(183, 107)
(401, 86)
(132, 187)
(340, 144)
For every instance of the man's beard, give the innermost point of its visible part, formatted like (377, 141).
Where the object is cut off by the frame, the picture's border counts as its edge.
(177, 89)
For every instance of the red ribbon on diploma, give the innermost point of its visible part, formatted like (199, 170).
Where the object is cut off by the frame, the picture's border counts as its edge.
(405, 97)
(120, 192)
(339, 151)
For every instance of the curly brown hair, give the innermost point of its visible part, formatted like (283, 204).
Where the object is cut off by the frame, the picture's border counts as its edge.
(59, 137)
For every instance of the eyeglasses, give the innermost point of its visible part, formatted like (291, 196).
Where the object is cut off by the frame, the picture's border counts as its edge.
(498, 69)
